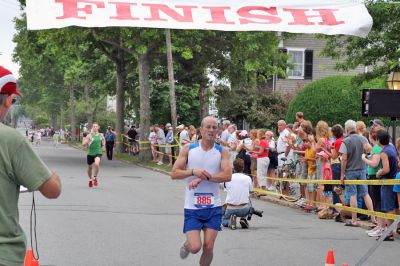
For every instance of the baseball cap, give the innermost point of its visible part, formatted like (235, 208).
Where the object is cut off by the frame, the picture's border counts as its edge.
(168, 125)
(8, 83)
(243, 133)
(377, 122)
(323, 154)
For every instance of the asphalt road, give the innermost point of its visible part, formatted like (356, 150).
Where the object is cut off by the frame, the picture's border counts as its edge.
(135, 217)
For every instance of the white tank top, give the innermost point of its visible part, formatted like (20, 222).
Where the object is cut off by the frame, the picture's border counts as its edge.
(206, 195)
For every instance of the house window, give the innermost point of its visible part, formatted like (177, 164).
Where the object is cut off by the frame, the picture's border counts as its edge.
(296, 59)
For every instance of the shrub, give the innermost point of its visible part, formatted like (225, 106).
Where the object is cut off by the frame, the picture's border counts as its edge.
(332, 99)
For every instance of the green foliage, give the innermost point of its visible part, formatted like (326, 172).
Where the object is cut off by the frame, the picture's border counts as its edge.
(380, 49)
(258, 109)
(332, 99)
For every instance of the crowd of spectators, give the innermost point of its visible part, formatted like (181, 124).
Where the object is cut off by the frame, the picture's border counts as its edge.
(320, 152)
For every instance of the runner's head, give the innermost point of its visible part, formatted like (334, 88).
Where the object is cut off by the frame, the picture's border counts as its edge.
(95, 127)
(209, 128)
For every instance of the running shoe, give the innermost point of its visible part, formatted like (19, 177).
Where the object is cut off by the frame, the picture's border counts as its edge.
(160, 163)
(233, 222)
(95, 182)
(376, 233)
(373, 230)
(184, 251)
(244, 223)
(90, 183)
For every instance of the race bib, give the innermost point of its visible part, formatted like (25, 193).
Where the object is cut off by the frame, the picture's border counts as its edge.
(203, 200)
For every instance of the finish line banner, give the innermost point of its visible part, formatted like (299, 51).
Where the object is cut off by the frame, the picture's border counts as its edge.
(330, 17)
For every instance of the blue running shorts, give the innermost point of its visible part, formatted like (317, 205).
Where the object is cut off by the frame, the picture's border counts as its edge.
(200, 218)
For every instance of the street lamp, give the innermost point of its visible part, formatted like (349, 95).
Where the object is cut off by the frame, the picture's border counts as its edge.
(393, 83)
(394, 80)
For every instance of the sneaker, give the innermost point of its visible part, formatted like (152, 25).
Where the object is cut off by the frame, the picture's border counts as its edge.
(160, 163)
(376, 233)
(233, 222)
(90, 183)
(339, 218)
(184, 251)
(95, 182)
(373, 230)
(244, 223)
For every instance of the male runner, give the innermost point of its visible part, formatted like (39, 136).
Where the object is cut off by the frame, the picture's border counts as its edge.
(204, 164)
(95, 142)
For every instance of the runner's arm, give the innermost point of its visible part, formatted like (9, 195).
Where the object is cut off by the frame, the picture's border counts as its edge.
(179, 170)
(226, 170)
(51, 189)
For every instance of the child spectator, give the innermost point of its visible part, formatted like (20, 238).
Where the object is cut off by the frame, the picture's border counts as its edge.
(310, 157)
(326, 175)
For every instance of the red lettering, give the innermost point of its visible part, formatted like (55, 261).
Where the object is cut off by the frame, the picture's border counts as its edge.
(218, 14)
(71, 9)
(123, 11)
(246, 13)
(156, 8)
(300, 17)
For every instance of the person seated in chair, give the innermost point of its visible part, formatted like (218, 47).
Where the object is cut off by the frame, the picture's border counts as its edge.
(237, 201)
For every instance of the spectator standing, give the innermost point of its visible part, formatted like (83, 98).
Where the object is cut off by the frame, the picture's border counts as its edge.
(273, 156)
(262, 150)
(132, 133)
(225, 134)
(389, 158)
(19, 166)
(153, 142)
(310, 157)
(161, 142)
(353, 168)
(242, 149)
(282, 146)
(110, 142)
(170, 141)
(184, 137)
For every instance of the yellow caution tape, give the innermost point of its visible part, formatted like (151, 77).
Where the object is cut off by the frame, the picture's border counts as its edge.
(338, 182)
(341, 207)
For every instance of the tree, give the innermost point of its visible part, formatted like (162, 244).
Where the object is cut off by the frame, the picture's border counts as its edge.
(332, 99)
(380, 49)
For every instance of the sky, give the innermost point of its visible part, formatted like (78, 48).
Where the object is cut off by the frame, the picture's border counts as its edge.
(9, 9)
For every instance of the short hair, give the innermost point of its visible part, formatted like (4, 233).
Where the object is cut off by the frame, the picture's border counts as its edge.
(350, 125)
(281, 122)
(337, 131)
(238, 165)
(300, 114)
(205, 118)
(226, 122)
(383, 137)
(306, 126)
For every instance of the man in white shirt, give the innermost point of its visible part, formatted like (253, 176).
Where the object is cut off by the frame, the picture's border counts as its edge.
(237, 199)
(183, 135)
(282, 146)
(225, 135)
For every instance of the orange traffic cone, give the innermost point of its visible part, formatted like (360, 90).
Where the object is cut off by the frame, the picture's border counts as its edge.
(330, 258)
(30, 259)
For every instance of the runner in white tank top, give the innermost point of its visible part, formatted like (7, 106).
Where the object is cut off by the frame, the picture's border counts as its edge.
(204, 165)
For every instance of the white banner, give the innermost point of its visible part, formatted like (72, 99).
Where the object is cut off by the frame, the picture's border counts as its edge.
(297, 16)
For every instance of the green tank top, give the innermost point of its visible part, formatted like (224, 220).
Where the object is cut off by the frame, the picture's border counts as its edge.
(95, 145)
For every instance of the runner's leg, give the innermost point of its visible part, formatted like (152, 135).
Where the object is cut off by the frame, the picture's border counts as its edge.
(208, 247)
(96, 166)
(193, 241)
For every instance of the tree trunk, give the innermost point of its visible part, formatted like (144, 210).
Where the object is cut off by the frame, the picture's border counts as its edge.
(172, 97)
(144, 65)
(53, 120)
(120, 100)
(88, 109)
(61, 116)
(73, 118)
(203, 95)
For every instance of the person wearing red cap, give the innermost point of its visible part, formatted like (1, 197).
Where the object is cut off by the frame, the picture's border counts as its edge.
(19, 166)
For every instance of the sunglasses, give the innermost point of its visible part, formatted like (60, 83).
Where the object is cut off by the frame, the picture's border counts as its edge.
(14, 100)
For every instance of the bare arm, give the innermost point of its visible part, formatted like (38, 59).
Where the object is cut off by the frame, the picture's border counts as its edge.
(226, 170)
(367, 147)
(385, 165)
(86, 140)
(51, 189)
(374, 162)
(179, 170)
(343, 166)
